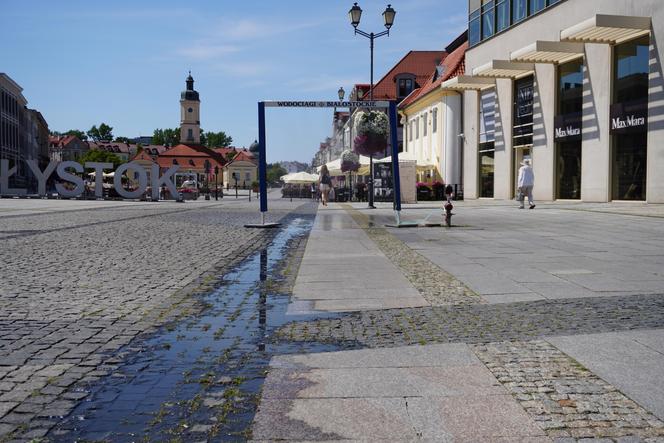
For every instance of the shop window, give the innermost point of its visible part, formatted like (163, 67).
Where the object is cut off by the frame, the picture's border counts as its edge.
(523, 112)
(487, 170)
(487, 142)
(567, 128)
(570, 87)
(629, 120)
(631, 70)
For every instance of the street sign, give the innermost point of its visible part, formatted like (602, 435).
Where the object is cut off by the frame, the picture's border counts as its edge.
(326, 104)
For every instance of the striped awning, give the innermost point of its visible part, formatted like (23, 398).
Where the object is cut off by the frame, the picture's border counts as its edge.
(468, 83)
(609, 29)
(503, 69)
(548, 52)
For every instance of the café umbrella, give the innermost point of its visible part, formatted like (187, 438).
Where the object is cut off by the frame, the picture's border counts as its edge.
(299, 178)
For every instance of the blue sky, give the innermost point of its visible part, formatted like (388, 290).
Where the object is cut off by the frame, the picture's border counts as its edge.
(124, 62)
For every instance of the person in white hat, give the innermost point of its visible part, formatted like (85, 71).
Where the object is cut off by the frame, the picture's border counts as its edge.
(526, 183)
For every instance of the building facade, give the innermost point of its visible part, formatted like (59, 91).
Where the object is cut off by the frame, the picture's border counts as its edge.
(431, 117)
(572, 85)
(14, 131)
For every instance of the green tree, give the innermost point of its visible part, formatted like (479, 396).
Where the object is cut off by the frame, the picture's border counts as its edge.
(78, 133)
(98, 155)
(122, 139)
(103, 132)
(274, 172)
(170, 137)
(216, 139)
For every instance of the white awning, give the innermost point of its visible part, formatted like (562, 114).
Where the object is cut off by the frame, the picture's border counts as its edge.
(609, 29)
(503, 69)
(548, 52)
(467, 82)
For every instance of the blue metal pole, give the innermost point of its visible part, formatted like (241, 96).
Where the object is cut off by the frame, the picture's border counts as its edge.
(395, 155)
(262, 161)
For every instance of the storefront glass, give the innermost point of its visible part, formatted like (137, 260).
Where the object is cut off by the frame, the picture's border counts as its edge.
(629, 119)
(486, 173)
(568, 130)
(487, 143)
(523, 112)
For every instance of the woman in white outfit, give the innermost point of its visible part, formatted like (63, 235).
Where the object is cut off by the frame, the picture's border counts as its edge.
(526, 183)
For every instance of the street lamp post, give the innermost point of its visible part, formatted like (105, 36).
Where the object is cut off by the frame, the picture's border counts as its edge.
(355, 14)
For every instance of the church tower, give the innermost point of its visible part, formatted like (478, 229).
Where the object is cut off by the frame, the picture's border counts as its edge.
(190, 116)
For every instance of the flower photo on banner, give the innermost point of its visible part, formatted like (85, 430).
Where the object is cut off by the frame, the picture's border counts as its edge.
(372, 129)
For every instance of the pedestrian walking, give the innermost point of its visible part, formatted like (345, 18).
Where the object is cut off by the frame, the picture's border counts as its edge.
(525, 184)
(324, 183)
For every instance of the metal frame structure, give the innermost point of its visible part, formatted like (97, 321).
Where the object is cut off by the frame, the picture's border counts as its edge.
(391, 106)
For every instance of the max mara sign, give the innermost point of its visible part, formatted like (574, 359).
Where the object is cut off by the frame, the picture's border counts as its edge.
(76, 185)
(629, 117)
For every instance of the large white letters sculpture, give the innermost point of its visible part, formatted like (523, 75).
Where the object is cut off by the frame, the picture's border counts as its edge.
(63, 170)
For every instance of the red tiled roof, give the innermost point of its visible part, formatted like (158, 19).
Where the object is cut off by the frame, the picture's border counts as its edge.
(190, 157)
(143, 155)
(243, 156)
(453, 66)
(418, 63)
(62, 140)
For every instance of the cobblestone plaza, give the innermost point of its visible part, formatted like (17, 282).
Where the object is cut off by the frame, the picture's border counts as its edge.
(125, 321)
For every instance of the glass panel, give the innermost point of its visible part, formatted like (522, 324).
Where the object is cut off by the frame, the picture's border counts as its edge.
(488, 20)
(488, 116)
(569, 170)
(629, 166)
(519, 10)
(570, 87)
(425, 121)
(537, 5)
(523, 112)
(502, 15)
(474, 31)
(487, 168)
(631, 70)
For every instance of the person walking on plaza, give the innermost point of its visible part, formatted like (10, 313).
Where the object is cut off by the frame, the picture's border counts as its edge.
(324, 183)
(526, 183)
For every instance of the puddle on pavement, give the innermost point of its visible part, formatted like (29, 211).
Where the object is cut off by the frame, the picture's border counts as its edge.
(198, 380)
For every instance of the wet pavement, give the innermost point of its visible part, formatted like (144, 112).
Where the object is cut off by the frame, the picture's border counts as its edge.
(200, 378)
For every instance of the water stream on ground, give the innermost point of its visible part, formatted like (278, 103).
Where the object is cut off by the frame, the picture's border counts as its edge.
(199, 379)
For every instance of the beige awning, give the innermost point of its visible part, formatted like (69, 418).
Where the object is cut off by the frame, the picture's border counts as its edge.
(467, 82)
(503, 69)
(609, 29)
(548, 52)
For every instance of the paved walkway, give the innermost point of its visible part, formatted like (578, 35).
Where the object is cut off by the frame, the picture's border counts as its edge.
(523, 362)
(344, 270)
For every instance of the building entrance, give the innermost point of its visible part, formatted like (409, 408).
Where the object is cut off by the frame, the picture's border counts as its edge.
(568, 175)
(629, 166)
